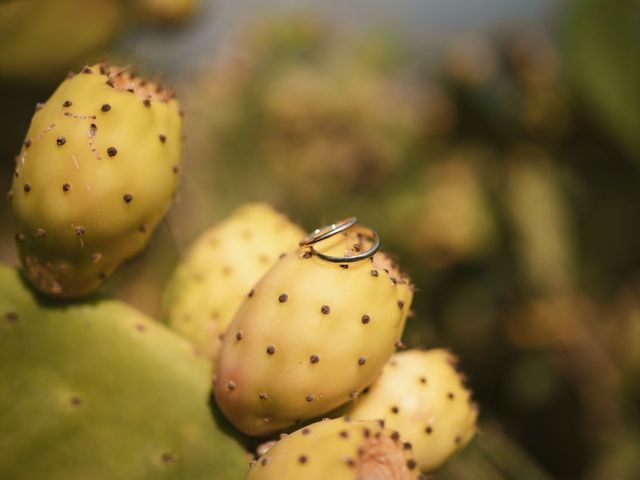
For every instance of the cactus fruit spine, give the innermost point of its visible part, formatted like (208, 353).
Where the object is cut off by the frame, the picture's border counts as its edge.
(100, 391)
(339, 449)
(221, 267)
(95, 175)
(421, 394)
(309, 337)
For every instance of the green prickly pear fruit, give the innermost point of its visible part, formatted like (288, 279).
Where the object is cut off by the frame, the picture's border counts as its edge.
(98, 390)
(340, 449)
(95, 175)
(422, 395)
(221, 267)
(311, 335)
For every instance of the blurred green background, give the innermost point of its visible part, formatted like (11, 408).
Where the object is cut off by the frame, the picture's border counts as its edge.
(495, 146)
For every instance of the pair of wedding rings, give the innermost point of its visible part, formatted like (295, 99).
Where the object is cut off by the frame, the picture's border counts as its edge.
(329, 231)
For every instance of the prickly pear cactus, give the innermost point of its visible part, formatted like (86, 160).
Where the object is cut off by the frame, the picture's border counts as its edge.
(421, 394)
(339, 449)
(100, 391)
(96, 172)
(309, 337)
(221, 267)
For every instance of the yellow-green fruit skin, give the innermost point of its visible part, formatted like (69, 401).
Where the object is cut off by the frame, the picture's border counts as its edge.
(339, 449)
(97, 171)
(309, 338)
(422, 395)
(221, 267)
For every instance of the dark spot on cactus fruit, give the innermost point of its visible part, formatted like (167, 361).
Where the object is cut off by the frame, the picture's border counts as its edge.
(175, 169)
(75, 401)
(109, 82)
(271, 349)
(458, 440)
(366, 432)
(231, 385)
(344, 434)
(127, 197)
(264, 259)
(366, 390)
(303, 459)
(381, 423)
(350, 462)
(395, 436)
(346, 419)
(146, 102)
(344, 266)
(61, 141)
(374, 273)
(262, 395)
(450, 395)
(130, 90)
(221, 336)
(377, 435)
(66, 187)
(325, 309)
(26, 187)
(79, 231)
(168, 458)
(400, 304)
(314, 358)
(283, 298)
(87, 70)
(365, 319)
(140, 327)
(67, 103)
(226, 270)
(309, 398)
(93, 128)
(105, 107)
(162, 137)
(251, 293)
(264, 461)
(239, 335)
(394, 409)
(103, 69)
(27, 143)
(306, 431)
(429, 430)
(39, 106)
(422, 380)
(112, 152)
(407, 446)
(362, 361)
(411, 464)
(307, 254)
(143, 228)
(40, 233)
(12, 317)
(282, 255)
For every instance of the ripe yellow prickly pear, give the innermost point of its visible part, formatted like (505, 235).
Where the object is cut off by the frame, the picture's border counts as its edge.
(221, 267)
(311, 335)
(421, 394)
(96, 173)
(339, 449)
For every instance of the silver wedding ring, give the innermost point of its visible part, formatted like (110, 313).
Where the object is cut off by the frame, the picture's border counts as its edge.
(329, 231)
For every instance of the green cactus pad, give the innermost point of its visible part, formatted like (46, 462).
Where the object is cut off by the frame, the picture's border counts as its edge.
(98, 390)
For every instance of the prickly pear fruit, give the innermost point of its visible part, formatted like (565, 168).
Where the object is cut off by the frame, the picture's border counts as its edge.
(97, 171)
(220, 269)
(340, 449)
(421, 394)
(100, 391)
(309, 337)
